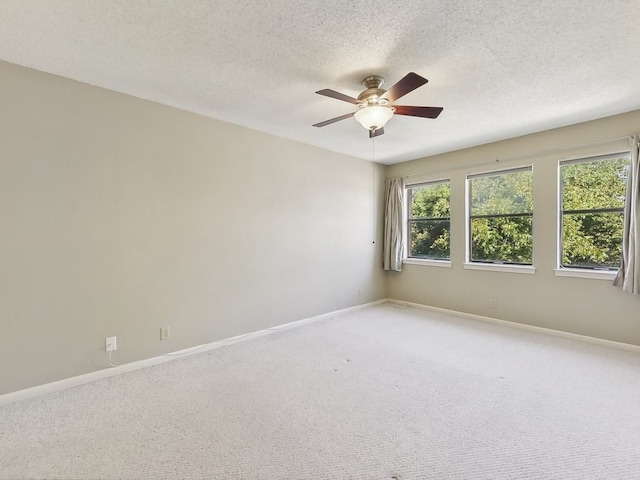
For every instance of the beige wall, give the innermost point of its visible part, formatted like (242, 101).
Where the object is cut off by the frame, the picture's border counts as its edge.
(120, 216)
(584, 306)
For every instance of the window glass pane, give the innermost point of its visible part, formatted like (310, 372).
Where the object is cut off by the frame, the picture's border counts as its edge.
(501, 219)
(599, 184)
(505, 239)
(502, 193)
(429, 201)
(429, 239)
(428, 225)
(592, 240)
(591, 237)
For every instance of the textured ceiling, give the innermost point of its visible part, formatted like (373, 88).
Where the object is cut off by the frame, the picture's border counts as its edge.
(500, 68)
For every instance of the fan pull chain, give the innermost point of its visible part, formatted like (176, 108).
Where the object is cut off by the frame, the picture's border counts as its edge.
(373, 189)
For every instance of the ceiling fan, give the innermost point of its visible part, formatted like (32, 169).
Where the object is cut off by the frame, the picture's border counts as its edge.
(375, 107)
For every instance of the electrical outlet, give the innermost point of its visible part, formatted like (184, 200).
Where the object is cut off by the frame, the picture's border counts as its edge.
(110, 344)
(165, 333)
(493, 303)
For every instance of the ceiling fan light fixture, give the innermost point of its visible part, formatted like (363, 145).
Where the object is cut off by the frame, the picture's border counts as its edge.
(373, 117)
(375, 107)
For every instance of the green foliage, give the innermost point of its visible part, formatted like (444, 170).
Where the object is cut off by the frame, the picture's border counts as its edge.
(502, 194)
(593, 239)
(430, 239)
(600, 184)
(430, 201)
(502, 239)
(505, 237)
(429, 236)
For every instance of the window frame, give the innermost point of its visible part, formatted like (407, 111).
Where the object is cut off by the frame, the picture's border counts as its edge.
(583, 271)
(513, 267)
(424, 260)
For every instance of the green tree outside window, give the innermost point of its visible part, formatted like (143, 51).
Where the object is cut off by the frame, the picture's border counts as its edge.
(428, 225)
(501, 217)
(593, 194)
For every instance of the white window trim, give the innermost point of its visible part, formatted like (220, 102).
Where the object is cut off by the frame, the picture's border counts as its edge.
(469, 265)
(586, 273)
(560, 271)
(499, 267)
(434, 181)
(498, 171)
(405, 228)
(428, 262)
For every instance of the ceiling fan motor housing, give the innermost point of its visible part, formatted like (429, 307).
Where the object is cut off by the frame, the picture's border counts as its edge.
(371, 96)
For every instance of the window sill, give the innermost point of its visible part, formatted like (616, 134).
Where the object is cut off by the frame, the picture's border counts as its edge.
(497, 267)
(580, 273)
(427, 261)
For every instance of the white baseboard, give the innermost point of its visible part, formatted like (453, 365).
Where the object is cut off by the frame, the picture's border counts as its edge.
(39, 390)
(523, 326)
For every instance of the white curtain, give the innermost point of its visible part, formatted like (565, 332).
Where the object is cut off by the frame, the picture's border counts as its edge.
(393, 244)
(628, 277)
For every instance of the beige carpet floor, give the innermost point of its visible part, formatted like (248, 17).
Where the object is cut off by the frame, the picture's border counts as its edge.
(382, 393)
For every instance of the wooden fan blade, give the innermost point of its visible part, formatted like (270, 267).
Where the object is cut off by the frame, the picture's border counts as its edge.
(337, 95)
(409, 83)
(425, 112)
(334, 120)
(376, 133)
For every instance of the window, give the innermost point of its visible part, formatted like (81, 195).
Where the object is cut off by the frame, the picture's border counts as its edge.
(592, 193)
(501, 217)
(428, 222)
